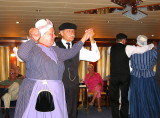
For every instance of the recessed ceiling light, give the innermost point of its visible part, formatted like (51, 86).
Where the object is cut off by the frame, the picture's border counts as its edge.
(152, 35)
(36, 19)
(38, 10)
(17, 22)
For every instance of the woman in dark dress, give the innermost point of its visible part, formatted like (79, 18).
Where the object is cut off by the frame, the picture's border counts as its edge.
(144, 92)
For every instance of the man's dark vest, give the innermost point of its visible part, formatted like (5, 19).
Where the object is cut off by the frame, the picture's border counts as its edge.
(119, 60)
(70, 75)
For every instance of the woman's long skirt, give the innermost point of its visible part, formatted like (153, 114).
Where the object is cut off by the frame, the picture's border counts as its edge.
(27, 99)
(144, 98)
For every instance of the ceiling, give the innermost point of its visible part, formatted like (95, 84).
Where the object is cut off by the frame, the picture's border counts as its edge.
(60, 11)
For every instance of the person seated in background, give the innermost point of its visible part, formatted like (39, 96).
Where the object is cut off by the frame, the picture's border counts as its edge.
(94, 82)
(18, 74)
(11, 89)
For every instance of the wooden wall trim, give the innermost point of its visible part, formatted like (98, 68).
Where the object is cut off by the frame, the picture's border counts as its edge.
(101, 42)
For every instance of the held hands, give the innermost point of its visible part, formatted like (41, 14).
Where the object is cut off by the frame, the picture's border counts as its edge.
(92, 33)
(89, 33)
(34, 34)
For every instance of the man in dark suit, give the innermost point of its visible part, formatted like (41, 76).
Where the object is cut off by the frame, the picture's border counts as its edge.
(70, 75)
(120, 74)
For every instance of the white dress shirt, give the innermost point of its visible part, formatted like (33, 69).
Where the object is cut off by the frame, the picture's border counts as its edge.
(92, 55)
(132, 49)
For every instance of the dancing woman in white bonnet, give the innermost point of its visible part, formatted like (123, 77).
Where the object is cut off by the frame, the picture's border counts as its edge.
(144, 92)
(42, 92)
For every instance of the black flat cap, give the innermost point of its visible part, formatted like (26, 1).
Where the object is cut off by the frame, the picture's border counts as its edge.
(67, 26)
(121, 36)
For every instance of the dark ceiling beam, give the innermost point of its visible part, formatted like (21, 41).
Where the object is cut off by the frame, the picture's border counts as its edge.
(13, 38)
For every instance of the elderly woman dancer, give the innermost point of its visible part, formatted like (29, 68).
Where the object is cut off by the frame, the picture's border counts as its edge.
(144, 92)
(42, 92)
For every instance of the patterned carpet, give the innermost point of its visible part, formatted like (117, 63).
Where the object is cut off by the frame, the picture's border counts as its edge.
(93, 113)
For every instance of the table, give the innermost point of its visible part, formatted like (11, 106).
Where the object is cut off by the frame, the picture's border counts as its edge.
(84, 96)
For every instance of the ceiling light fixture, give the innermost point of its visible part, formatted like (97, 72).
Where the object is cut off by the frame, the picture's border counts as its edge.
(17, 22)
(36, 19)
(13, 55)
(38, 10)
(129, 8)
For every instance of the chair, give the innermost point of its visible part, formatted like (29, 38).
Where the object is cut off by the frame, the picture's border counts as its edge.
(83, 96)
(2, 108)
(106, 89)
(12, 105)
(105, 97)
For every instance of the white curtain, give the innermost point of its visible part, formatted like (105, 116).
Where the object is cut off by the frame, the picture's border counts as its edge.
(103, 64)
(22, 66)
(4, 62)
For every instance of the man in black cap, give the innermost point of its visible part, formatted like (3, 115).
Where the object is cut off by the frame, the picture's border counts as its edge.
(120, 74)
(70, 75)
